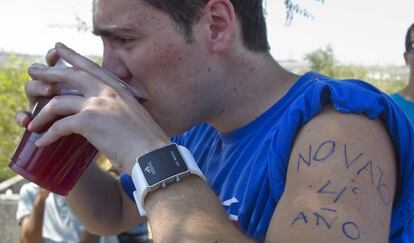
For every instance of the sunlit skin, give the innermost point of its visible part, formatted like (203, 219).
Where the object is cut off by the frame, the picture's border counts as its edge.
(178, 88)
(214, 79)
(147, 51)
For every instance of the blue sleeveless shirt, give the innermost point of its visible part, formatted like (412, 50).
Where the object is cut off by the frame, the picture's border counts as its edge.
(246, 168)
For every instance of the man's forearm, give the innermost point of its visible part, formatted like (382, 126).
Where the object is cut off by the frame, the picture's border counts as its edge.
(101, 207)
(189, 211)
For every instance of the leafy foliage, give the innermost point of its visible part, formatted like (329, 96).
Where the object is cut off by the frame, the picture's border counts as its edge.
(389, 78)
(12, 98)
(322, 61)
(293, 9)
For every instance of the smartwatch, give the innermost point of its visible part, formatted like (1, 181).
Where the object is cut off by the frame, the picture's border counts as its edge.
(160, 167)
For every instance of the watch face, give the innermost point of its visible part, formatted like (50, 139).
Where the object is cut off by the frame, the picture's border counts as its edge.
(161, 164)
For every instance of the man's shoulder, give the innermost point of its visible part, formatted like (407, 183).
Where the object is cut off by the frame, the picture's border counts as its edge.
(329, 120)
(341, 166)
(26, 199)
(29, 189)
(355, 142)
(350, 128)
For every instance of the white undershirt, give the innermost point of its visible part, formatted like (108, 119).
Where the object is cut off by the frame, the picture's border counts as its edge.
(59, 224)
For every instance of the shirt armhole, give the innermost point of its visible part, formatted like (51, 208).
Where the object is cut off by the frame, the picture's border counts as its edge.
(127, 185)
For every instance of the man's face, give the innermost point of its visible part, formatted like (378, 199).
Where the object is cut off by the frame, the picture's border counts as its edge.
(409, 55)
(144, 47)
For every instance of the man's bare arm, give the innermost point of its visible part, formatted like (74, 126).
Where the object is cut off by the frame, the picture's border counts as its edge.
(189, 211)
(340, 184)
(101, 204)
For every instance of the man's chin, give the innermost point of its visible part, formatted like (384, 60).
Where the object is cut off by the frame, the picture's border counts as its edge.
(172, 131)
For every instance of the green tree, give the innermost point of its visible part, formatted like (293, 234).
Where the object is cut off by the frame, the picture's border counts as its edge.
(323, 61)
(12, 98)
(389, 78)
(293, 8)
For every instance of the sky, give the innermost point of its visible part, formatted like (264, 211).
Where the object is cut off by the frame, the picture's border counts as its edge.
(367, 32)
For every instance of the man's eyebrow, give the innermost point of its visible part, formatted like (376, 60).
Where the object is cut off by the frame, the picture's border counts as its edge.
(106, 31)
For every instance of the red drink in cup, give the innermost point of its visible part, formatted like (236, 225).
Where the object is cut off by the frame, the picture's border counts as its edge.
(56, 167)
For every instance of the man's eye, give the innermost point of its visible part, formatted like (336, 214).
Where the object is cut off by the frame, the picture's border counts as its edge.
(122, 41)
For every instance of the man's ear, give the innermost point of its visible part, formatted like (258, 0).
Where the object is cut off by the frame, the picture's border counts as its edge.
(406, 58)
(220, 18)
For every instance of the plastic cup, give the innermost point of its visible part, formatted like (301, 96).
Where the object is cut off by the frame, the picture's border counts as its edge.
(56, 167)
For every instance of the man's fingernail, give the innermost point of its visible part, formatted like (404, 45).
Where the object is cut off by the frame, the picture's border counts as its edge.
(50, 51)
(29, 126)
(46, 90)
(59, 45)
(38, 143)
(36, 66)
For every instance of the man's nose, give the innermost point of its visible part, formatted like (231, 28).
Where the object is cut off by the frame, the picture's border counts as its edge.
(115, 65)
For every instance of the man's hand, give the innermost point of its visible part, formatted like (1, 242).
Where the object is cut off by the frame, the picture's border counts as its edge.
(108, 114)
(36, 89)
(104, 213)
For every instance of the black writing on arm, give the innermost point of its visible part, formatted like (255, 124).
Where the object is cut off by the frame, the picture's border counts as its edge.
(336, 194)
(323, 152)
(356, 164)
(383, 188)
(349, 162)
(352, 161)
(325, 218)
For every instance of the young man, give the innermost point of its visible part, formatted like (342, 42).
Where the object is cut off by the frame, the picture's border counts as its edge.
(279, 158)
(405, 98)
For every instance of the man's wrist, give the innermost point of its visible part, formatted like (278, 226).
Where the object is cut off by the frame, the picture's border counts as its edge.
(141, 150)
(159, 168)
(174, 195)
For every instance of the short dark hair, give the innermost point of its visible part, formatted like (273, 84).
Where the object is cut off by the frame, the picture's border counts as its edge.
(249, 12)
(408, 41)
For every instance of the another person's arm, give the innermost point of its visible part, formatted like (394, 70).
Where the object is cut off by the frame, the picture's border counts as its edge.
(31, 226)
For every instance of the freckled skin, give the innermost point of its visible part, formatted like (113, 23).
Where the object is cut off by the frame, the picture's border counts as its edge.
(172, 85)
(219, 82)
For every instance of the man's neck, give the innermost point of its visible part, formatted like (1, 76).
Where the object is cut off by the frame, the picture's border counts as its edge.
(253, 85)
(408, 91)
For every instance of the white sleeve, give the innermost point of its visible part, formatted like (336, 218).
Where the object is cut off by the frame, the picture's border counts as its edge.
(26, 199)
